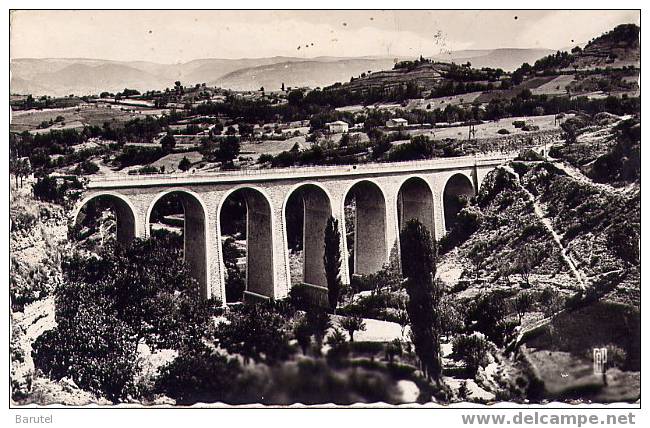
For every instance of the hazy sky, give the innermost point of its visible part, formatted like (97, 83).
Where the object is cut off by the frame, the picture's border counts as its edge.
(179, 36)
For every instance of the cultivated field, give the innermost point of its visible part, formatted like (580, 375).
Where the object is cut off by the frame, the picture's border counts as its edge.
(96, 116)
(490, 129)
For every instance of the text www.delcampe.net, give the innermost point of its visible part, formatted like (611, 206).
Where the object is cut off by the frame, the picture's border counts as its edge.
(536, 418)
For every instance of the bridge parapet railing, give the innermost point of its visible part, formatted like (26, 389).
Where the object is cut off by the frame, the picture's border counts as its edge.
(325, 169)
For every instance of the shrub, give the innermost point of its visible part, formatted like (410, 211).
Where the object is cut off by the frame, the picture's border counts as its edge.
(488, 311)
(468, 220)
(387, 278)
(299, 297)
(474, 350)
(551, 301)
(520, 168)
(420, 147)
(148, 169)
(86, 168)
(352, 324)
(136, 155)
(51, 189)
(523, 303)
(338, 346)
(302, 332)
(315, 382)
(393, 349)
(198, 375)
(319, 322)
(368, 348)
(184, 164)
(256, 332)
(624, 238)
(109, 304)
(22, 220)
(93, 347)
(374, 306)
(265, 158)
(503, 131)
(518, 123)
(616, 357)
(529, 155)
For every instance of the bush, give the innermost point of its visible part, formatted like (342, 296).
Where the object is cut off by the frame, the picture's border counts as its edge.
(551, 301)
(109, 304)
(315, 382)
(520, 168)
(625, 239)
(420, 147)
(385, 279)
(375, 306)
(529, 155)
(353, 324)
(86, 168)
(93, 347)
(488, 311)
(184, 164)
(22, 220)
(265, 158)
(339, 348)
(256, 332)
(467, 221)
(474, 350)
(519, 123)
(301, 297)
(51, 189)
(198, 375)
(367, 348)
(503, 131)
(136, 155)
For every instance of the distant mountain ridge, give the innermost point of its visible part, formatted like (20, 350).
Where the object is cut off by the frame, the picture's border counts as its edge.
(84, 76)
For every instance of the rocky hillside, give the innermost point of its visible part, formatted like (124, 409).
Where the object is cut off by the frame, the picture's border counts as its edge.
(617, 48)
(581, 234)
(427, 76)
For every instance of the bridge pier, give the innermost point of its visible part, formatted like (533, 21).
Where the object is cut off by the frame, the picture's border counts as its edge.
(370, 240)
(260, 248)
(316, 212)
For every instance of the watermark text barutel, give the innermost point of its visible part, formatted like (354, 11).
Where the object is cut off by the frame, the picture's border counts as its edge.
(34, 419)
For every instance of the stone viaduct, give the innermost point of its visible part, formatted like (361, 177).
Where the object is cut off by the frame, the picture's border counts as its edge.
(386, 195)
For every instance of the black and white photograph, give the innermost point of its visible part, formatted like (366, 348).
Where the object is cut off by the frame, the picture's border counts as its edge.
(324, 208)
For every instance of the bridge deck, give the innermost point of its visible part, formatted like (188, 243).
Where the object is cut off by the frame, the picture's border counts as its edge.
(272, 174)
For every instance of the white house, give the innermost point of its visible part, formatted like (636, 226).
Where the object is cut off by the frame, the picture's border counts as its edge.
(337, 127)
(396, 123)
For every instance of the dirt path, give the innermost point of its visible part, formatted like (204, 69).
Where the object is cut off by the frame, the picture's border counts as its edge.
(541, 214)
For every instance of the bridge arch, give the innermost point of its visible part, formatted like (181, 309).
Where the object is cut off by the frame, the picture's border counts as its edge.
(458, 189)
(125, 213)
(195, 231)
(259, 237)
(415, 201)
(370, 247)
(316, 204)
